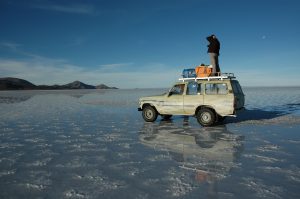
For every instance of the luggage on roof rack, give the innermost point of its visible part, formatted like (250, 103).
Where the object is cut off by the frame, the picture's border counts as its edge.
(203, 71)
(189, 73)
(220, 77)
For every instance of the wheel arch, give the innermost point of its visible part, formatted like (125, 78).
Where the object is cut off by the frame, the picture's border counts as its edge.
(149, 104)
(218, 116)
(205, 106)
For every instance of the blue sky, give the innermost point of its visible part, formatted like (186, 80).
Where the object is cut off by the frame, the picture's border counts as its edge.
(147, 43)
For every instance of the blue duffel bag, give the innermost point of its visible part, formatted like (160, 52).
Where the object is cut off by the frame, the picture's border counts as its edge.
(190, 72)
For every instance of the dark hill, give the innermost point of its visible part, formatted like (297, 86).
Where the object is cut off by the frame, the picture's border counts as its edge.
(103, 86)
(10, 83)
(78, 85)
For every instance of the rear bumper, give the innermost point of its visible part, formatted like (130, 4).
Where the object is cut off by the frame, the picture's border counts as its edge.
(238, 111)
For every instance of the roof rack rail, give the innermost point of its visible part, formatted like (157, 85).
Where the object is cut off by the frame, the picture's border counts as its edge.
(221, 76)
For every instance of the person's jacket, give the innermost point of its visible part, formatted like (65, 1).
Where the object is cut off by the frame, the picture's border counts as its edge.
(214, 45)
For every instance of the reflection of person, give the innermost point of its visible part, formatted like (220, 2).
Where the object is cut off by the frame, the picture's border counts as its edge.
(202, 177)
(213, 51)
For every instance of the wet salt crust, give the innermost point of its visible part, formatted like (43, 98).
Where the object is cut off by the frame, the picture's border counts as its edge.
(95, 144)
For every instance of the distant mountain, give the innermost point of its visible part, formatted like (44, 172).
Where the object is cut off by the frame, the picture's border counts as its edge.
(72, 85)
(10, 83)
(103, 86)
(78, 85)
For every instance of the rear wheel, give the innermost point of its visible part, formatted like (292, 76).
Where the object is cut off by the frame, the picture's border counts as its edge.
(206, 117)
(149, 114)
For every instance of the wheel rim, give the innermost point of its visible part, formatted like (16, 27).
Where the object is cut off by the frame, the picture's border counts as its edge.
(148, 114)
(206, 117)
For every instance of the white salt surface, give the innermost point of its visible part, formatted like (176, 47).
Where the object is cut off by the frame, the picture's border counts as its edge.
(95, 144)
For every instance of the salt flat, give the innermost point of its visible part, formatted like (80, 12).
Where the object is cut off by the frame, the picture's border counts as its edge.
(95, 144)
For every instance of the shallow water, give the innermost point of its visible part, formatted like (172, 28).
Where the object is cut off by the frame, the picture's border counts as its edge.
(95, 144)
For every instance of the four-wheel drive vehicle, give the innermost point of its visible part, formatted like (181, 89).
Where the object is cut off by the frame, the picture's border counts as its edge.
(209, 99)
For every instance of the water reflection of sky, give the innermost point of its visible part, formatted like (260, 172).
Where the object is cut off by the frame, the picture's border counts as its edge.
(285, 99)
(95, 144)
(209, 152)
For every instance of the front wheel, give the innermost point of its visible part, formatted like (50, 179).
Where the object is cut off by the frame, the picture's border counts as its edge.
(149, 114)
(206, 117)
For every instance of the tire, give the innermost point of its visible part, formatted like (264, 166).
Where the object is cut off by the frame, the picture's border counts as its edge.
(166, 117)
(149, 114)
(206, 117)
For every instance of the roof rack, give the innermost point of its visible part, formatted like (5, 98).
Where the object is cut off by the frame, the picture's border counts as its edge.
(221, 76)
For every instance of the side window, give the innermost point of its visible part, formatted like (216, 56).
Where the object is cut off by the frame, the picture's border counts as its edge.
(193, 88)
(216, 89)
(178, 89)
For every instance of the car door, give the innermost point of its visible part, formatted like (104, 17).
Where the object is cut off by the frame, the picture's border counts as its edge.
(193, 98)
(218, 97)
(173, 103)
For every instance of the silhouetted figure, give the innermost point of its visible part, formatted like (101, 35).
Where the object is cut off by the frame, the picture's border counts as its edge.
(213, 51)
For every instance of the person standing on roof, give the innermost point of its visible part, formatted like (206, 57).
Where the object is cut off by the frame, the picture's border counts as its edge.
(213, 51)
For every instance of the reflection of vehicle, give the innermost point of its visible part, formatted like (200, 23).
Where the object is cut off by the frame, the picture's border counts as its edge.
(209, 152)
(210, 100)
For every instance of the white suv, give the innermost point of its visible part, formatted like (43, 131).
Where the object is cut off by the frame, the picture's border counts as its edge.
(209, 99)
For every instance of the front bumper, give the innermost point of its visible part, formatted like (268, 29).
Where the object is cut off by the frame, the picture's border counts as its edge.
(140, 109)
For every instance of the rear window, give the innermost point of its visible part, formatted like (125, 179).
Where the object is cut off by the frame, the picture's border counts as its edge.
(216, 89)
(236, 87)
